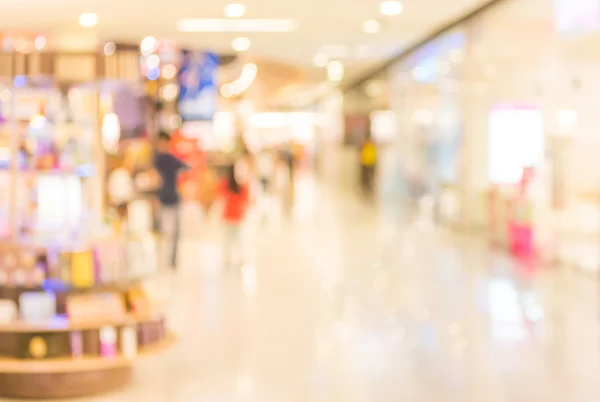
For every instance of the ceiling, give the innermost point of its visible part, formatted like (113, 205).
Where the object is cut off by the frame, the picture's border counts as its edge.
(335, 24)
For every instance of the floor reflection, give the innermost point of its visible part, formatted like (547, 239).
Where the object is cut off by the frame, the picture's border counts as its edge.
(343, 302)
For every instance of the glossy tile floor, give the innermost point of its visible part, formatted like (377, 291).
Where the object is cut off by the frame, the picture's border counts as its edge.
(344, 302)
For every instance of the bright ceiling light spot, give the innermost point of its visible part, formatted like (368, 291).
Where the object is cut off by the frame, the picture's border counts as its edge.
(110, 48)
(236, 25)
(227, 90)
(242, 83)
(240, 44)
(335, 71)
(249, 71)
(371, 26)
(391, 7)
(88, 20)
(320, 60)
(235, 10)
(169, 72)
(148, 45)
(40, 42)
(153, 61)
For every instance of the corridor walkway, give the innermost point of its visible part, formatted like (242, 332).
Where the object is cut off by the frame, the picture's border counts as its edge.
(342, 303)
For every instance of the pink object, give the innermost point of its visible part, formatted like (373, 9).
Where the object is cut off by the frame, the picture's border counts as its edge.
(521, 239)
(108, 342)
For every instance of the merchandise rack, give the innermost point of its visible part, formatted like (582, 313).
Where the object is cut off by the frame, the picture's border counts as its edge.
(59, 372)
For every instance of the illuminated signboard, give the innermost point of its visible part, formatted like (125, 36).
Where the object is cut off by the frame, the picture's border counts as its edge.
(573, 17)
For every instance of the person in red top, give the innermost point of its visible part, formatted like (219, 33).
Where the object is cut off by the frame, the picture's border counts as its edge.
(235, 199)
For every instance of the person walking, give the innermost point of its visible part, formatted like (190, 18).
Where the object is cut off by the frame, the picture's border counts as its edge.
(168, 167)
(235, 195)
(368, 161)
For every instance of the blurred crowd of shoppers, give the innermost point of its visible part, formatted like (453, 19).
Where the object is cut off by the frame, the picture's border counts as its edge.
(229, 182)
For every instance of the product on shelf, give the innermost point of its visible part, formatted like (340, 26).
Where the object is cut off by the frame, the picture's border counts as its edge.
(76, 344)
(82, 269)
(73, 312)
(8, 311)
(129, 342)
(95, 307)
(137, 300)
(108, 342)
(37, 306)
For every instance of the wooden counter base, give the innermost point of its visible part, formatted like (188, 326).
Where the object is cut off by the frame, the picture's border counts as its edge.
(65, 384)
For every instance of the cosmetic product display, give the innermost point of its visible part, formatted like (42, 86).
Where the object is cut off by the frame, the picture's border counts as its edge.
(74, 312)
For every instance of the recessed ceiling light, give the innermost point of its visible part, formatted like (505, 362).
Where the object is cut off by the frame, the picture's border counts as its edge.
(371, 26)
(240, 44)
(227, 90)
(236, 25)
(88, 20)
(335, 71)
(391, 7)
(235, 10)
(320, 60)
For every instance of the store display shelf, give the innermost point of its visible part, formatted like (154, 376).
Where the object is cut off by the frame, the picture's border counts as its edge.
(64, 325)
(81, 364)
(61, 286)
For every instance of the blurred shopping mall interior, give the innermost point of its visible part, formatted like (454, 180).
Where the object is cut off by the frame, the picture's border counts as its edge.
(300, 201)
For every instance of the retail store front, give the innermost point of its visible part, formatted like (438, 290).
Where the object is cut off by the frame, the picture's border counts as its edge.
(517, 97)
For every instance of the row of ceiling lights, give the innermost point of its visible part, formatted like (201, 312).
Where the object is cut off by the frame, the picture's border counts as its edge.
(238, 10)
(234, 10)
(389, 8)
(335, 68)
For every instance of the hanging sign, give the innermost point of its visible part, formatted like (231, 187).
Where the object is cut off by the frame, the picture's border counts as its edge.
(199, 92)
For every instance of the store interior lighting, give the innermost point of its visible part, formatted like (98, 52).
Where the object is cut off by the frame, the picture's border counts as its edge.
(242, 83)
(153, 61)
(235, 10)
(169, 92)
(148, 45)
(236, 25)
(40, 43)
(88, 20)
(516, 142)
(391, 8)
(335, 71)
(169, 72)
(111, 132)
(240, 44)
